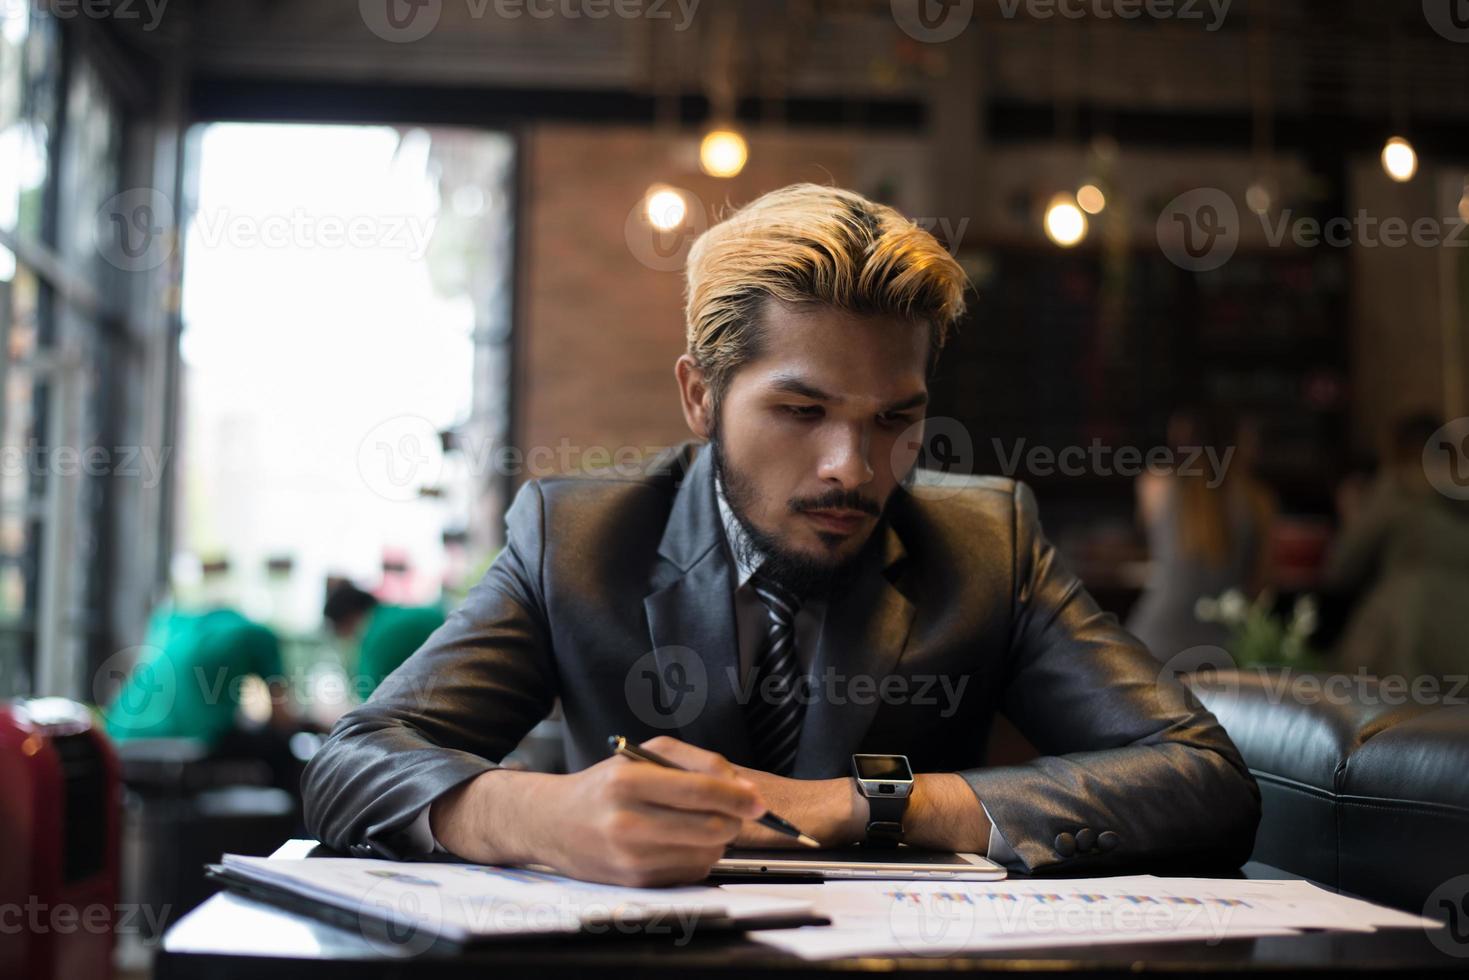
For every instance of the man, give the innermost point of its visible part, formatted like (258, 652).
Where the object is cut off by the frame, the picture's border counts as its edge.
(743, 604)
(385, 635)
(187, 684)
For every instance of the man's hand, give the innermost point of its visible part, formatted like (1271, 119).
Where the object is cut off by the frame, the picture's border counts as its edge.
(831, 810)
(619, 821)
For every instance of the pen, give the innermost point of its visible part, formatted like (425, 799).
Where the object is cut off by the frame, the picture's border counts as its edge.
(621, 746)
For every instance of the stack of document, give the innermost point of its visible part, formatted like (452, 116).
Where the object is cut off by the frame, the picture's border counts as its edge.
(943, 918)
(419, 904)
(425, 904)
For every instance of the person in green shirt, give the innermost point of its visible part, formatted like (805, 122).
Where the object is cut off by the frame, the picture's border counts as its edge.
(385, 635)
(187, 680)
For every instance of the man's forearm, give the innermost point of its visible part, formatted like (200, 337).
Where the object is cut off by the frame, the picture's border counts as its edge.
(478, 820)
(945, 815)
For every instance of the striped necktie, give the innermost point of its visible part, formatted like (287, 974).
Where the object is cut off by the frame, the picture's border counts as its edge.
(776, 704)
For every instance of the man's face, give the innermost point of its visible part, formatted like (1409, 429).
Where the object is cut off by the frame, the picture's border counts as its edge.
(807, 440)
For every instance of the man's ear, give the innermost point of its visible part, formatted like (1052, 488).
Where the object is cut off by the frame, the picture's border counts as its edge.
(694, 393)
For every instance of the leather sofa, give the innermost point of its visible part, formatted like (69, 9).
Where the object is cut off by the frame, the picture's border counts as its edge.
(1364, 782)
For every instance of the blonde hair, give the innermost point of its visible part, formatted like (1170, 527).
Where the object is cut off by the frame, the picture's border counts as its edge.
(807, 244)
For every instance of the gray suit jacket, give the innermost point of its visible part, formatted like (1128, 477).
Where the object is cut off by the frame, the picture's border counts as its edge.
(616, 595)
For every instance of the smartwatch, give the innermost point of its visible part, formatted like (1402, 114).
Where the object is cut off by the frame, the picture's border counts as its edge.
(887, 782)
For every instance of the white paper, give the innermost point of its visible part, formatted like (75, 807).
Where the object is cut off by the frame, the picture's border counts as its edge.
(464, 901)
(939, 918)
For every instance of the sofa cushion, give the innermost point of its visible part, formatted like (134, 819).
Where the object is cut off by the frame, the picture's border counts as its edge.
(1404, 809)
(1297, 731)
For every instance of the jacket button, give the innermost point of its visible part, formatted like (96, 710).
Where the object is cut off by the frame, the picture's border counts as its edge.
(1108, 839)
(1086, 839)
(1065, 845)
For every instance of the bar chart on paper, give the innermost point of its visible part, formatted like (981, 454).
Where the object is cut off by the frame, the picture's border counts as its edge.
(936, 918)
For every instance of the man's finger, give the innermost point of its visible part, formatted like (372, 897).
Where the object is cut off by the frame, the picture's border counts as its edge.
(640, 782)
(671, 827)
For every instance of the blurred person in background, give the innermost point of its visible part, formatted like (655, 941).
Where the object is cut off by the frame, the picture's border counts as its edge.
(1405, 550)
(384, 635)
(1207, 533)
(188, 681)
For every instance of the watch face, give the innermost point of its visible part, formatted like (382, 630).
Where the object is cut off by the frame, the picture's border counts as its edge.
(882, 767)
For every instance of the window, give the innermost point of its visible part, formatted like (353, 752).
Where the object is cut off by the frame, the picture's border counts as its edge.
(60, 153)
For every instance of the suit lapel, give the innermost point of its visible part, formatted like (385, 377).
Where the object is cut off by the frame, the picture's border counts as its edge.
(862, 636)
(691, 618)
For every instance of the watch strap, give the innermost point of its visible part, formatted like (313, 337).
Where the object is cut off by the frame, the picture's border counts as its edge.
(885, 820)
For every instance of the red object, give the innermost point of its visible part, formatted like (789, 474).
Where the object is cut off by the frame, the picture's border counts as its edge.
(60, 819)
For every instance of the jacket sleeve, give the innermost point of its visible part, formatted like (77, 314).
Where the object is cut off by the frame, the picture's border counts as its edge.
(1133, 769)
(451, 711)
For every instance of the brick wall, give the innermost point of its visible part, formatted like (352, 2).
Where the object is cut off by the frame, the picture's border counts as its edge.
(600, 327)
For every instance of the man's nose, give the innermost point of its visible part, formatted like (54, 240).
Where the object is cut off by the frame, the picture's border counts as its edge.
(845, 458)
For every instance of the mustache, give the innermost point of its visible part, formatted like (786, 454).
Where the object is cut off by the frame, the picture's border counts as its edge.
(837, 499)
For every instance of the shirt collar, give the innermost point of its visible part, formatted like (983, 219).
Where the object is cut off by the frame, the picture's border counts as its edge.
(739, 544)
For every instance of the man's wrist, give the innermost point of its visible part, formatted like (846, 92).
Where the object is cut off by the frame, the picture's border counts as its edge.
(852, 812)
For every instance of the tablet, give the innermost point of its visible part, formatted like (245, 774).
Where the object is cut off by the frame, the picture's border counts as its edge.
(903, 863)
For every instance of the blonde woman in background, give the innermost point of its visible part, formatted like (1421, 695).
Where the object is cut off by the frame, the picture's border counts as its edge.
(1207, 533)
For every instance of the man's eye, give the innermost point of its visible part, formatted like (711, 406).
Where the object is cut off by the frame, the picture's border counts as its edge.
(803, 411)
(898, 420)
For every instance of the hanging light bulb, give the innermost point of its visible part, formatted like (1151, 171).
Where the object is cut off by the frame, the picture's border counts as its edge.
(665, 207)
(723, 153)
(1258, 197)
(1091, 199)
(1464, 202)
(1399, 159)
(1065, 224)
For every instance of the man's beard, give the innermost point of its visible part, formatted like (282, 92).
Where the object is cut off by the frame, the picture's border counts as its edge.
(805, 575)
